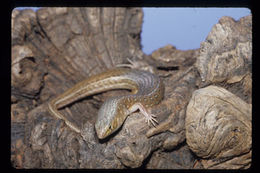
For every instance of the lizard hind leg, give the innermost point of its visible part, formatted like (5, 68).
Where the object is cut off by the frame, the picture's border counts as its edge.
(150, 118)
(138, 64)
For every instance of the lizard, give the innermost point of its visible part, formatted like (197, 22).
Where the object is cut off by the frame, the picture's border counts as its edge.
(147, 90)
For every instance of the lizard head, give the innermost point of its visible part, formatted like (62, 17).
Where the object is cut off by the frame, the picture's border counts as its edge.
(108, 120)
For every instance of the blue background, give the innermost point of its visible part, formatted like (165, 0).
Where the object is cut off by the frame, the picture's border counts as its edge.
(184, 28)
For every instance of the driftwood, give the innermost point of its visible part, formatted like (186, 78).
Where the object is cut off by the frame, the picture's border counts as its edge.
(54, 48)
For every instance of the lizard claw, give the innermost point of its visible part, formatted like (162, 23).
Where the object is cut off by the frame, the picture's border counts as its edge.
(150, 118)
(132, 64)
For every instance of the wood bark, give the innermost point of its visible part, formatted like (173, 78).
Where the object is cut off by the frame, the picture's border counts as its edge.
(54, 48)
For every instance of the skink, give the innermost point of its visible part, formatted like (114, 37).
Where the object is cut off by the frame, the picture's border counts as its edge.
(147, 90)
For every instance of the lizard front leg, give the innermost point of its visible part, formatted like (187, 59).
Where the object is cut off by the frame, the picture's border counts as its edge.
(150, 118)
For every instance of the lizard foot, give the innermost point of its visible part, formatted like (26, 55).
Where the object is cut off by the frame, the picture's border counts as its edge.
(138, 64)
(149, 118)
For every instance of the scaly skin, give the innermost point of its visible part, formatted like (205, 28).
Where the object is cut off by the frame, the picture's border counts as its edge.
(147, 90)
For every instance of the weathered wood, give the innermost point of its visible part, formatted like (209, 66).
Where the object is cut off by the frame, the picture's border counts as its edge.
(225, 56)
(54, 48)
(218, 126)
(218, 123)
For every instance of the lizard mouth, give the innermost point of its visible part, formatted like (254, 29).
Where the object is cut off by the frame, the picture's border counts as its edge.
(101, 133)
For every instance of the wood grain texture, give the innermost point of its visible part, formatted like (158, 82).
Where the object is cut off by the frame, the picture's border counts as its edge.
(55, 48)
(218, 126)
